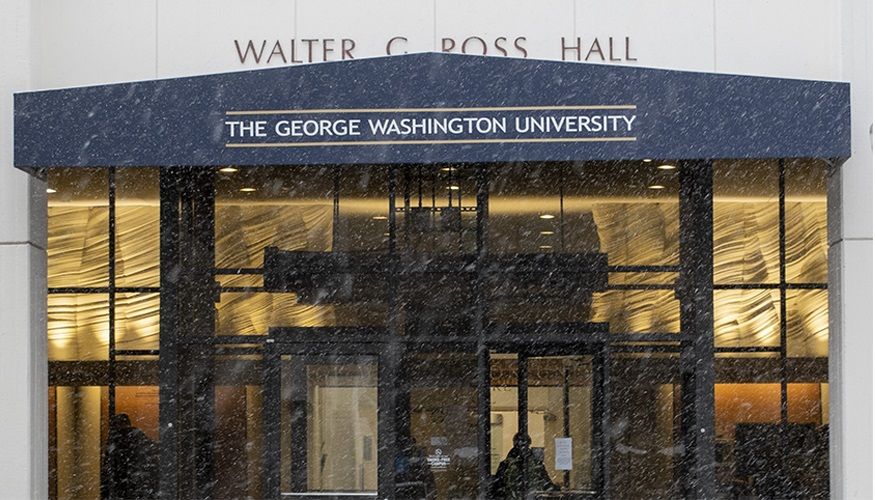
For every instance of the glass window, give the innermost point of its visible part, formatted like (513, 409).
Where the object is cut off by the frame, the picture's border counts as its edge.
(806, 221)
(137, 258)
(78, 227)
(746, 230)
(747, 318)
(78, 327)
(136, 321)
(807, 323)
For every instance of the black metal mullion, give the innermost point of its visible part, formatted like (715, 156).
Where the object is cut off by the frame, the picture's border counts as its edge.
(522, 383)
(272, 424)
(388, 362)
(566, 417)
(695, 292)
(111, 368)
(168, 374)
(480, 330)
(782, 256)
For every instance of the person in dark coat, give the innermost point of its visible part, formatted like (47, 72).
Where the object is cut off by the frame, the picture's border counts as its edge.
(413, 476)
(508, 481)
(128, 464)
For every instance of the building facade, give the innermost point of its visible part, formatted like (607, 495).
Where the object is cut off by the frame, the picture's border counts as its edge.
(361, 324)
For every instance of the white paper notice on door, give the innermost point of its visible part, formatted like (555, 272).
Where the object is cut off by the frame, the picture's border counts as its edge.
(563, 453)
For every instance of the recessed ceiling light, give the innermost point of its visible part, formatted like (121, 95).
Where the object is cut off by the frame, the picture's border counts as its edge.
(386, 235)
(666, 167)
(247, 190)
(51, 191)
(656, 186)
(448, 169)
(547, 216)
(647, 160)
(545, 247)
(228, 170)
(453, 188)
(547, 233)
(379, 217)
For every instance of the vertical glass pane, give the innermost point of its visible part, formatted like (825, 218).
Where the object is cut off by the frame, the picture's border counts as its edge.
(136, 321)
(637, 311)
(285, 207)
(137, 216)
(524, 209)
(805, 212)
(807, 323)
(805, 403)
(561, 423)
(747, 421)
(78, 412)
(78, 227)
(627, 210)
(132, 443)
(238, 438)
(646, 445)
(439, 209)
(503, 411)
(78, 327)
(329, 430)
(363, 210)
(747, 318)
(437, 436)
(746, 223)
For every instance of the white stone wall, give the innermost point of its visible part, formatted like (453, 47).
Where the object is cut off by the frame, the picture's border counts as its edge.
(59, 43)
(23, 369)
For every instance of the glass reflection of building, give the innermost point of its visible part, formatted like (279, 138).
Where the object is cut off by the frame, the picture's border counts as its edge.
(770, 321)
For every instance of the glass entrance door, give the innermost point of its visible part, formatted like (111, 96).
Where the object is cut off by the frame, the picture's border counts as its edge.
(546, 417)
(329, 425)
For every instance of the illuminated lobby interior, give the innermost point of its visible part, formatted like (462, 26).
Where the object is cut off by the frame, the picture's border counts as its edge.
(769, 301)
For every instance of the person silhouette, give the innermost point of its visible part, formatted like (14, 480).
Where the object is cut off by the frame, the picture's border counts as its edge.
(413, 476)
(128, 463)
(510, 481)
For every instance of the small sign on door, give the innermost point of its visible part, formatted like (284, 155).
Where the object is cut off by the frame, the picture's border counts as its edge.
(563, 453)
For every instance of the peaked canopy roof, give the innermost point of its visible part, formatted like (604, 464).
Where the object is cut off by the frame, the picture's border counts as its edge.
(431, 107)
